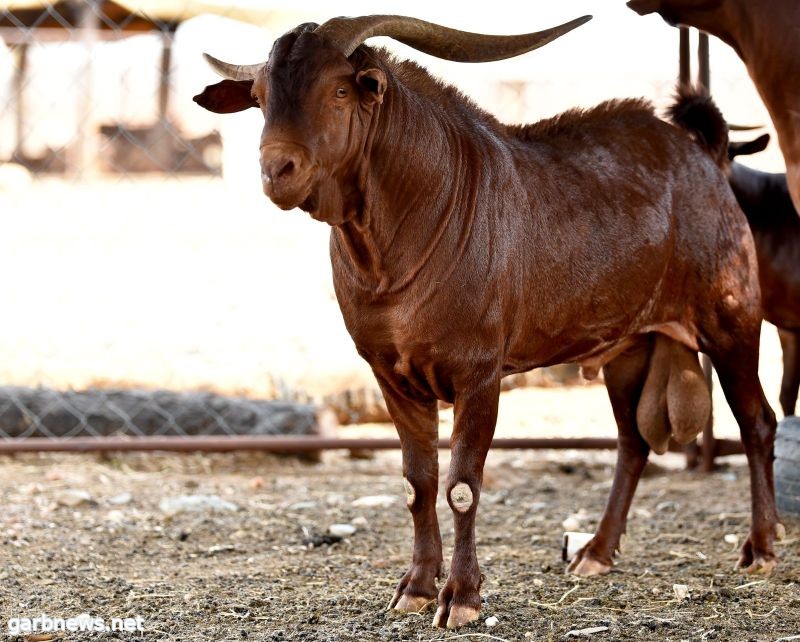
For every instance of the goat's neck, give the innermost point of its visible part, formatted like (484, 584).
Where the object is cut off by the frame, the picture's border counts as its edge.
(417, 195)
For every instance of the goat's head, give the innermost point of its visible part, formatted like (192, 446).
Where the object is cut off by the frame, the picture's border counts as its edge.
(320, 90)
(675, 12)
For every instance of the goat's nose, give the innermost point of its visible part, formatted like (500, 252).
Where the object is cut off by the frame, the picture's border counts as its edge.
(280, 163)
(279, 168)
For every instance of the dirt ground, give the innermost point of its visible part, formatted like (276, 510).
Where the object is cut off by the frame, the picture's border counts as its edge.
(266, 572)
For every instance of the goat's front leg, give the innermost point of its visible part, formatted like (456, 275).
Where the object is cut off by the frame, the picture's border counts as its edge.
(475, 418)
(418, 427)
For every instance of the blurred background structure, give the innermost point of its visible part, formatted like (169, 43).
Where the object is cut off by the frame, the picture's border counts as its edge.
(137, 250)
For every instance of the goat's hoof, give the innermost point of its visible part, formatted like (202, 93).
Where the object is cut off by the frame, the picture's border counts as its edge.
(413, 603)
(584, 564)
(457, 616)
(588, 567)
(758, 566)
(458, 605)
(417, 589)
(756, 561)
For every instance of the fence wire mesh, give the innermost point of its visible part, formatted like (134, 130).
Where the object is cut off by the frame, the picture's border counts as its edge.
(142, 266)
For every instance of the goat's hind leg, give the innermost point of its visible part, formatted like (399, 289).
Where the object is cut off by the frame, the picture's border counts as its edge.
(624, 378)
(790, 346)
(735, 358)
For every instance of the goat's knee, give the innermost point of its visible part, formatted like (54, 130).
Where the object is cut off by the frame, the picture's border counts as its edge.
(461, 497)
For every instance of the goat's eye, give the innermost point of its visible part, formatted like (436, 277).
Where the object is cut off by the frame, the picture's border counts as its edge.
(341, 92)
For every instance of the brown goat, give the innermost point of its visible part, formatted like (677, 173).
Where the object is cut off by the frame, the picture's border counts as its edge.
(775, 223)
(765, 35)
(464, 250)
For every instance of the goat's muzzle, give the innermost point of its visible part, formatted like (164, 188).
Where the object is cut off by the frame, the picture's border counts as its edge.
(286, 173)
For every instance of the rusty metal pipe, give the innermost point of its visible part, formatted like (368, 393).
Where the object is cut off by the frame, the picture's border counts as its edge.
(294, 444)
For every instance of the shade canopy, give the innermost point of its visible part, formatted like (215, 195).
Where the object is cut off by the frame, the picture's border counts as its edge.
(54, 20)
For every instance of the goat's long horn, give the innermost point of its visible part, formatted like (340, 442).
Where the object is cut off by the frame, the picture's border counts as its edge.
(346, 34)
(233, 72)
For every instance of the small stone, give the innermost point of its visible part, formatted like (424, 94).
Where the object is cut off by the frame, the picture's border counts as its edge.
(535, 507)
(360, 521)
(121, 499)
(195, 504)
(342, 530)
(32, 489)
(303, 506)
(538, 582)
(491, 621)
(667, 507)
(681, 591)
(585, 633)
(571, 523)
(115, 516)
(732, 539)
(73, 498)
(374, 501)
(257, 483)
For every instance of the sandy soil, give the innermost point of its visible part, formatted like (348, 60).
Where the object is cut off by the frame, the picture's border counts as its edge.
(263, 572)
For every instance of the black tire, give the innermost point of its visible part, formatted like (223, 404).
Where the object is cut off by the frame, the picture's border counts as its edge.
(788, 470)
(788, 505)
(787, 466)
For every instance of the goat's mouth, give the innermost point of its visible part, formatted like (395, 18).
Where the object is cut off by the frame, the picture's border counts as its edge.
(288, 197)
(311, 203)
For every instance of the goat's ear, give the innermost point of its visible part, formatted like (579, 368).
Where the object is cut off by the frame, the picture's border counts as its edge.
(748, 147)
(227, 96)
(372, 83)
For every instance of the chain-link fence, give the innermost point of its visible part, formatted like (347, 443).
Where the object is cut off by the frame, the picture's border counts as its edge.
(141, 265)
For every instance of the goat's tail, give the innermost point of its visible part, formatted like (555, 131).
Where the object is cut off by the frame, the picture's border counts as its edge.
(694, 111)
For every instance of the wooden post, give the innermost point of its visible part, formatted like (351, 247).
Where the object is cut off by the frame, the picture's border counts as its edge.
(20, 73)
(164, 78)
(684, 58)
(82, 153)
(703, 63)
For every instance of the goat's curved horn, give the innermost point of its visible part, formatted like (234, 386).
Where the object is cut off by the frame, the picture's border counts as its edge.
(233, 72)
(346, 34)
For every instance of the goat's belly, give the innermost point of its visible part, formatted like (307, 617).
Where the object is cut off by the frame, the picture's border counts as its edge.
(593, 354)
(680, 332)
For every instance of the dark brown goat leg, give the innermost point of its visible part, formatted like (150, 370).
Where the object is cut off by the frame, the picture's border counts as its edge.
(475, 418)
(418, 428)
(624, 378)
(790, 345)
(737, 370)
